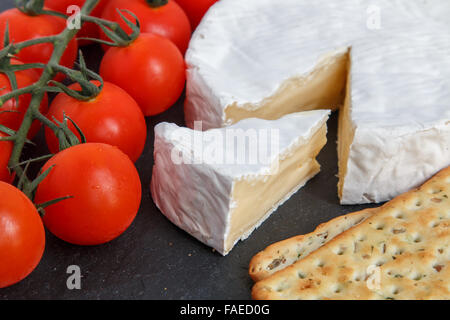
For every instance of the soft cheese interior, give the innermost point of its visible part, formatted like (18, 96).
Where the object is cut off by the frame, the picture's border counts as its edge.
(218, 202)
(255, 200)
(324, 88)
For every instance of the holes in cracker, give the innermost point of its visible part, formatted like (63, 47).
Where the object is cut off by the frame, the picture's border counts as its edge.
(414, 204)
(320, 263)
(362, 238)
(357, 277)
(436, 191)
(301, 275)
(282, 286)
(443, 216)
(416, 276)
(399, 251)
(417, 238)
(340, 250)
(338, 288)
(395, 290)
(399, 215)
(434, 224)
(380, 263)
(379, 226)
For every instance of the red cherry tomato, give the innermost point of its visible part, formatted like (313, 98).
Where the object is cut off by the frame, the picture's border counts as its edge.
(106, 192)
(168, 21)
(23, 27)
(151, 70)
(11, 114)
(89, 30)
(113, 117)
(5, 153)
(195, 9)
(22, 236)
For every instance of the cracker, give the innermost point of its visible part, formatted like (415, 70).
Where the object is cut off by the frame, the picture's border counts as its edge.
(400, 252)
(284, 253)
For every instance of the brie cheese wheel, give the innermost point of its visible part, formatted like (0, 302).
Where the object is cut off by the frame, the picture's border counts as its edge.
(385, 64)
(221, 184)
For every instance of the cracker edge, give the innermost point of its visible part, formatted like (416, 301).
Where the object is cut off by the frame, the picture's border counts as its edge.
(259, 293)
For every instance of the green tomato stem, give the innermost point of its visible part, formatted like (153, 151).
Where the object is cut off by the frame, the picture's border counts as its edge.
(37, 90)
(60, 43)
(113, 30)
(17, 93)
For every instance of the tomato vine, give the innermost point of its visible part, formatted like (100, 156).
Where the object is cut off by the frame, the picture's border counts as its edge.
(46, 83)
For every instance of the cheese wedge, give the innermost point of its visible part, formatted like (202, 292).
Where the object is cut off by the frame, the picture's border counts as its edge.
(221, 184)
(385, 64)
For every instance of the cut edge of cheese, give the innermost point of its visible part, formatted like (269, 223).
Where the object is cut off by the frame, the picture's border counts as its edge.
(346, 132)
(293, 173)
(219, 205)
(322, 88)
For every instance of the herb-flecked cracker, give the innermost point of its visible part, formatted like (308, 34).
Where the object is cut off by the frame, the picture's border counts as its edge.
(400, 252)
(284, 253)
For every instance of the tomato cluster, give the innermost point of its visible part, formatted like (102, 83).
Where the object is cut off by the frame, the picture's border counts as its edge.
(96, 184)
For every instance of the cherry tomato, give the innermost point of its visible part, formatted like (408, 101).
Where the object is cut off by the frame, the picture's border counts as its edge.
(5, 153)
(11, 114)
(106, 192)
(22, 236)
(195, 9)
(151, 70)
(23, 27)
(89, 30)
(113, 117)
(168, 21)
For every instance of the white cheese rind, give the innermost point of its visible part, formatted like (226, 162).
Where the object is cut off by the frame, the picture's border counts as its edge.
(194, 197)
(243, 52)
(197, 197)
(403, 161)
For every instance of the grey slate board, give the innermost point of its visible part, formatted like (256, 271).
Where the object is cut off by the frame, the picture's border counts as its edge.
(154, 259)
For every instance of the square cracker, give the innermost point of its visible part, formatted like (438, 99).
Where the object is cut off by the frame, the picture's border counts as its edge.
(400, 252)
